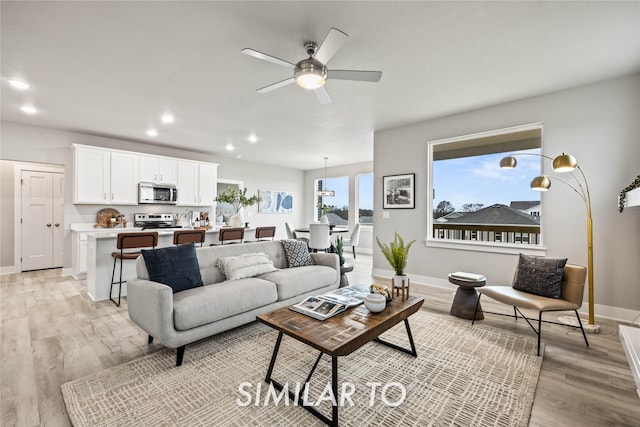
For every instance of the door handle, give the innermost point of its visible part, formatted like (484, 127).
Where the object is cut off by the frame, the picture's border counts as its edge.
(49, 225)
(57, 224)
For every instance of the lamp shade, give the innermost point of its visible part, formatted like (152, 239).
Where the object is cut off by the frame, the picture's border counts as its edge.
(564, 163)
(508, 162)
(540, 183)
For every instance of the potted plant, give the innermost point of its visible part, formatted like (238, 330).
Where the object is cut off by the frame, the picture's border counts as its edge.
(396, 253)
(238, 199)
(340, 249)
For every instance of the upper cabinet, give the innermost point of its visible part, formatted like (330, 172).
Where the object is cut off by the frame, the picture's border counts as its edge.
(158, 169)
(104, 176)
(196, 183)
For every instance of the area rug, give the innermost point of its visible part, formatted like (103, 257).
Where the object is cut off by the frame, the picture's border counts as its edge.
(463, 376)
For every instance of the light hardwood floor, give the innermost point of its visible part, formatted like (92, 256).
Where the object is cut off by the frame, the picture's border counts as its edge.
(52, 333)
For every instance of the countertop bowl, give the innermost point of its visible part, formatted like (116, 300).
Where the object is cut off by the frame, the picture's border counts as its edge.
(375, 303)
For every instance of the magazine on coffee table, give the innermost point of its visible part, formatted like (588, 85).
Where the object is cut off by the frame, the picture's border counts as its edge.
(324, 306)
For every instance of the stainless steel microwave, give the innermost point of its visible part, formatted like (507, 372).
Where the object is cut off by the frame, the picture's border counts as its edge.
(160, 194)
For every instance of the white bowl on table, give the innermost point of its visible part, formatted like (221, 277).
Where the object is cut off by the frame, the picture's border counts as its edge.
(375, 303)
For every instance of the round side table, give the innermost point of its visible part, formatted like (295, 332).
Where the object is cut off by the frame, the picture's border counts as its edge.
(464, 303)
(344, 269)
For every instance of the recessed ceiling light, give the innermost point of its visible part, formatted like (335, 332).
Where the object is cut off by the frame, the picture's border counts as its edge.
(253, 139)
(152, 132)
(239, 156)
(19, 84)
(229, 147)
(29, 109)
(167, 118)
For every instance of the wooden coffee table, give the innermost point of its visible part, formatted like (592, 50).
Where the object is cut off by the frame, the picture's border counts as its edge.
(338, 336)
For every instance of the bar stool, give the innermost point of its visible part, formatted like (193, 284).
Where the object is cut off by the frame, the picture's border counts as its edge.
(129, 241)
(263, 233)
(187, 236)
(233, 233)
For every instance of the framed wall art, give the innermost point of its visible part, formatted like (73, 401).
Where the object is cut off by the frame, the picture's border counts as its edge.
(399, 191)
(275, 201)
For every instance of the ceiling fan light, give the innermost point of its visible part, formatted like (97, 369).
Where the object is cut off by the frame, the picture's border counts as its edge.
(310, 74)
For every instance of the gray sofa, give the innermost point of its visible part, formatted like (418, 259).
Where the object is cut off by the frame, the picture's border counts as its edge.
(185, 317)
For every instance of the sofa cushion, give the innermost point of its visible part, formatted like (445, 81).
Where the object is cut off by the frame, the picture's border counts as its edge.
(296, 281)
(176, 266)
(297, 253)
(207, 304)
(245, 265)
(539, 276)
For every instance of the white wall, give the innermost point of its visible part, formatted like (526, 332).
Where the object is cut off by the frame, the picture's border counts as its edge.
(599, 124)
(22, 143)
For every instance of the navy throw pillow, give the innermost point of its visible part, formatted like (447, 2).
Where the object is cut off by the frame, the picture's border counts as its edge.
(175, 266)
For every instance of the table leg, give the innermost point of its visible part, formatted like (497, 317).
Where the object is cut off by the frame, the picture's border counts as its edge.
(412, 352)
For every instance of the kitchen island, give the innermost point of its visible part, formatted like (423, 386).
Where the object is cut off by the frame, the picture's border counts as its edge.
(100, 245)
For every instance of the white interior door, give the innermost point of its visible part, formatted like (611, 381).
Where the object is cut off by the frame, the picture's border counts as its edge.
(37, 220)
(58, 219)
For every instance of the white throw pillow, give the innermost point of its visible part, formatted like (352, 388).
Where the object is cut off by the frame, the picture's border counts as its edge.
(246, 265)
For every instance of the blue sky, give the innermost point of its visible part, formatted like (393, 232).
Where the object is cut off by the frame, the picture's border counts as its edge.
(479, 179)
(341, 186)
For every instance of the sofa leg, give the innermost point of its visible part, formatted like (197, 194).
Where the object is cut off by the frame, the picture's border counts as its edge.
(179, 355)
(150, 339)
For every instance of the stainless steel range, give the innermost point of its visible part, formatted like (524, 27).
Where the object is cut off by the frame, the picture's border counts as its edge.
(151, 221)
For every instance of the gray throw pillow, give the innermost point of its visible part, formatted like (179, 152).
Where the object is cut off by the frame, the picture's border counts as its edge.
(176, 266)
(297, 253)
(539, 276)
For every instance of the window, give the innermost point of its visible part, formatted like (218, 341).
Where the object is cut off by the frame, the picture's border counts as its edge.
(338, 205)
(473, 200)
(365, 199)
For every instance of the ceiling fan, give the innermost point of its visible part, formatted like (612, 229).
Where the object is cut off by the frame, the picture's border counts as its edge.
(311, 73)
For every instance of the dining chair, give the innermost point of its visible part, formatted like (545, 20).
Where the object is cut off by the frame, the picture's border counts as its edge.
(290, 233)
(319, 237)
(354, 239)
(231, 234)
(187, 236)
(263, 233)
(135, 240)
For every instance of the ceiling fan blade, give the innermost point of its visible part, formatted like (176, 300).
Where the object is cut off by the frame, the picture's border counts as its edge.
(269, 58)
(334, 40)
(322, 95)
(362, 76)
(275, 86)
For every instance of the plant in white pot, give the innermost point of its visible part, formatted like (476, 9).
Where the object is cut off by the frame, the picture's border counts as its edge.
(396, 253)
(238, 199)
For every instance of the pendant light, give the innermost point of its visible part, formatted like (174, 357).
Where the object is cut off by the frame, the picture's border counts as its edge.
(324, 192)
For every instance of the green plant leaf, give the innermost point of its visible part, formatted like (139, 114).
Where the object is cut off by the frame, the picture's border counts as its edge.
(396, 253)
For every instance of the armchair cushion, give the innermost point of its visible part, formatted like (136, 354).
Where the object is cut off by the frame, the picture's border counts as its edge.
(175, 266)
(297, 253)
(539, 276)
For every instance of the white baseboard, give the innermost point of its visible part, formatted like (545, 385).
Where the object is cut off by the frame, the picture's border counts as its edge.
(67, 272)
(618, 314)
(9, 270)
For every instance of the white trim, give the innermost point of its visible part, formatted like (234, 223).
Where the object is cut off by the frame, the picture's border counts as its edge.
(67, 272)
(475, 246)
(18, 168)
(10, 269)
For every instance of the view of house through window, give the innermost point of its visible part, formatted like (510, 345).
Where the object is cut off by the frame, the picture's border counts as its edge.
(474, 200)
(365, 199)
(335, 207)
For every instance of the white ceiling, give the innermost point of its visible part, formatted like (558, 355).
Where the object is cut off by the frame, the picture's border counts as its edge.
(112, 68)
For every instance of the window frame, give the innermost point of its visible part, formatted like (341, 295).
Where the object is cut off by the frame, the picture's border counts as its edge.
(316, 210)
(481, 246)
(357, 198)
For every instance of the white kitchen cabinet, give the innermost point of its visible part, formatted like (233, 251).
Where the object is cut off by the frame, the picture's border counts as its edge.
(91, 175)
(196, 183)
(162, 170)
(124, 179)
(104, 176)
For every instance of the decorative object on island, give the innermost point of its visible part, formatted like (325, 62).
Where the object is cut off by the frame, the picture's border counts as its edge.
(396, 254)
(398, 191)
(238, 199)
(109, 218)
(340, 249)
(275, 201)
(623, 194)
(566, 163)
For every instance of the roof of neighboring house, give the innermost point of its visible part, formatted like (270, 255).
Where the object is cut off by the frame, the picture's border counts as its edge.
(524, 205)
(496, 214)
(336, 220)
(447, 217)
